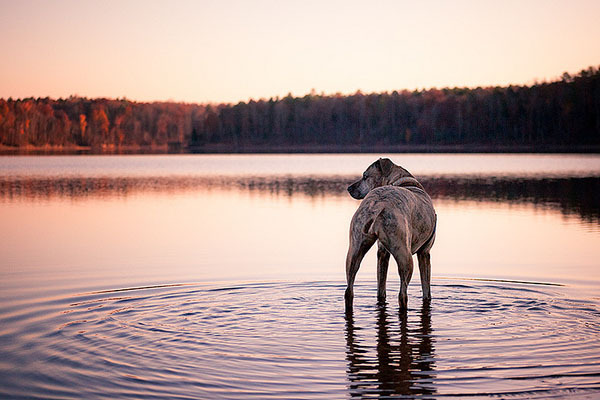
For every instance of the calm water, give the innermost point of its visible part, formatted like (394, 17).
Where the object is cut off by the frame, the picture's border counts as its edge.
(222, 277)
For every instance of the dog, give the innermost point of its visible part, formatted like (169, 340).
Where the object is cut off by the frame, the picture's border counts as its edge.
(398, 213)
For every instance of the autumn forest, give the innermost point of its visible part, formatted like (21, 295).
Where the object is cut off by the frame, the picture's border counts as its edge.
(562, 115)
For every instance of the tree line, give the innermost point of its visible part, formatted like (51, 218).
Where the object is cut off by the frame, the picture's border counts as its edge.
(564, 112)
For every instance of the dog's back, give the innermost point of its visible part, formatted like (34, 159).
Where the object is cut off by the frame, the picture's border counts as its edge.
(396, 214)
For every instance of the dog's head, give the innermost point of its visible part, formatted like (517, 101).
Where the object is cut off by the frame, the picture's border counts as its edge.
(376, 175)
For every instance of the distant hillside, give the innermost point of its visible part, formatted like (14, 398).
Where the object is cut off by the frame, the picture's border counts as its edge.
(564, 114)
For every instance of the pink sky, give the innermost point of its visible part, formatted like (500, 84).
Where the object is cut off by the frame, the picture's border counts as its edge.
(226, 51)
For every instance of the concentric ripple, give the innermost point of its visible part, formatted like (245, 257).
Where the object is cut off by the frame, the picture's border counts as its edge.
(293, 340)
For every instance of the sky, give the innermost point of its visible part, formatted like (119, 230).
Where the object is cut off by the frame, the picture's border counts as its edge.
(230, 51)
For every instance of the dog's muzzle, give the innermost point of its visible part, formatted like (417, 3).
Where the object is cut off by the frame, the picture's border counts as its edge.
(355, 191)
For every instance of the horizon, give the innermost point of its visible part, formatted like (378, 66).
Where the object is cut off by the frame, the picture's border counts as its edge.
(558, 78)
(229, 52)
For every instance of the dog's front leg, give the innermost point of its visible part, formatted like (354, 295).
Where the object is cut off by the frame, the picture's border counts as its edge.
(383, 261)
(425, 270)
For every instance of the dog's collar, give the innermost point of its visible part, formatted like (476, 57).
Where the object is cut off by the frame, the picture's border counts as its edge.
(407, 181)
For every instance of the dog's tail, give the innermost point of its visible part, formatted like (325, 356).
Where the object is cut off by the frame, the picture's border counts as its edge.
(373, 228)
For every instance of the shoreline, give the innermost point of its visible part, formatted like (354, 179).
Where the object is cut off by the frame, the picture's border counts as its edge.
(291, 149)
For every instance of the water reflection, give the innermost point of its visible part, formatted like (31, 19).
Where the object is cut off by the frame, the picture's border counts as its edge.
(579, 196)
(403, 362)
(575, 195)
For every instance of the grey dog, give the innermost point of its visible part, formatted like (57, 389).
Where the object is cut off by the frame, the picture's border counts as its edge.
(398, 214)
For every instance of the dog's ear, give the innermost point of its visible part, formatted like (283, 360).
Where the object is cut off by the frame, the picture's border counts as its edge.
(385, 165)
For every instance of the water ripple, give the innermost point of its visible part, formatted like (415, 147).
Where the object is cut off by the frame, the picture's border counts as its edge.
(292, 340)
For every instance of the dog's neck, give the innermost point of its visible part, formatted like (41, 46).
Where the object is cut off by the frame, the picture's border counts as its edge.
(406, 181)
(401, 177)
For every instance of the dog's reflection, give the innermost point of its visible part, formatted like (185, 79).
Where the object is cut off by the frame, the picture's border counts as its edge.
(401, 362)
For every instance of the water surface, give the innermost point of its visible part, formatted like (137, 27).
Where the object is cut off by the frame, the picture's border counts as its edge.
(222, 277)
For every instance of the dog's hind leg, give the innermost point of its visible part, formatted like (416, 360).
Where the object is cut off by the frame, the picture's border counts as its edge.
(383, 261)
(393, 233)
(358, 248)
(405, 269)
(425, 270)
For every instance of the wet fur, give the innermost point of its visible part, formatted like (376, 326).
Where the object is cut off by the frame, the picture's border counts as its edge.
(398, 214)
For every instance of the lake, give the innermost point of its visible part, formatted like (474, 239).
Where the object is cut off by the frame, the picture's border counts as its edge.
(222, 276)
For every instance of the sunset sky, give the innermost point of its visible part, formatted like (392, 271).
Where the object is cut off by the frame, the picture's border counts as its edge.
(227, 51)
